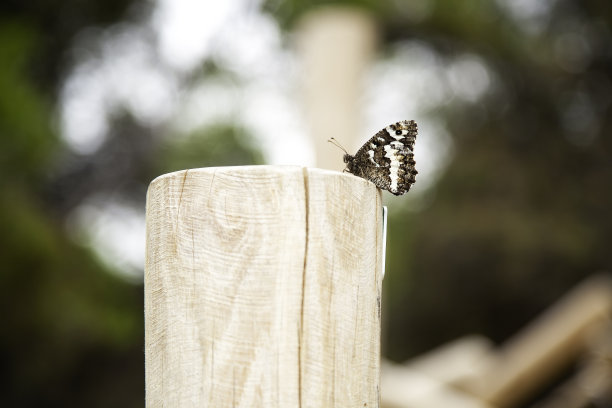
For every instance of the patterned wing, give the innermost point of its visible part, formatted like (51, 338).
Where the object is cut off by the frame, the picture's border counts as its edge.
(387, 158)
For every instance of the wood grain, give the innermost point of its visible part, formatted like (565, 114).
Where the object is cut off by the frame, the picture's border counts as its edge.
(262, 289)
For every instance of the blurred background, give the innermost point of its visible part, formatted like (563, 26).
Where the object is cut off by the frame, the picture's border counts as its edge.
(510, 211)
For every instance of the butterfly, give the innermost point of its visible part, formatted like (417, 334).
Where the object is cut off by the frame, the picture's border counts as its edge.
(387, 159)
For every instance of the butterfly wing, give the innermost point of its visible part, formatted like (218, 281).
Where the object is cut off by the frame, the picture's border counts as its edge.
(387, 158)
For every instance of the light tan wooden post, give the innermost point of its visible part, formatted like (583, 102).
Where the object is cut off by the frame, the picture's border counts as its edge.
(334, 45)
(262, 289)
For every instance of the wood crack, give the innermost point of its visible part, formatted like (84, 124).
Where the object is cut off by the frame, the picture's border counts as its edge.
(301, 327)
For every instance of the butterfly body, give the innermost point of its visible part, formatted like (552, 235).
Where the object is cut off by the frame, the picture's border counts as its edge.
(387, 158)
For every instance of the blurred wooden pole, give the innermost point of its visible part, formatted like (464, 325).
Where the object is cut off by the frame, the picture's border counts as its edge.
(546, 346)
(335, 45)
(262, 289)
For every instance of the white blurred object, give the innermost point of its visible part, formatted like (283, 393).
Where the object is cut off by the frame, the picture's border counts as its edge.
(469, 372)
(424, 382)
(335, 46)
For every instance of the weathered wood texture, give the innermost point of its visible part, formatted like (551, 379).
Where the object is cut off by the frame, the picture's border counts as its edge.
(262, 289)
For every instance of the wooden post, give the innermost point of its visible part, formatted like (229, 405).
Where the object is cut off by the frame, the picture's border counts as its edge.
(334, 45)
(262, 289)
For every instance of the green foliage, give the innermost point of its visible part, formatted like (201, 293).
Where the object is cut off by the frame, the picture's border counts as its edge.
(218, 145)
(25, 135)
(288, 12)
(62, 307)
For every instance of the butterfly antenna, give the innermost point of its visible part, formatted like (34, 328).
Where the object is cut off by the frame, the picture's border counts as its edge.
(337, 144)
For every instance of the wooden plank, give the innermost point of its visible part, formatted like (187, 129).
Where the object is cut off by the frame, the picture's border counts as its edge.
(403, 387)
(547, 345)
(426, 381)
(262, 289)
